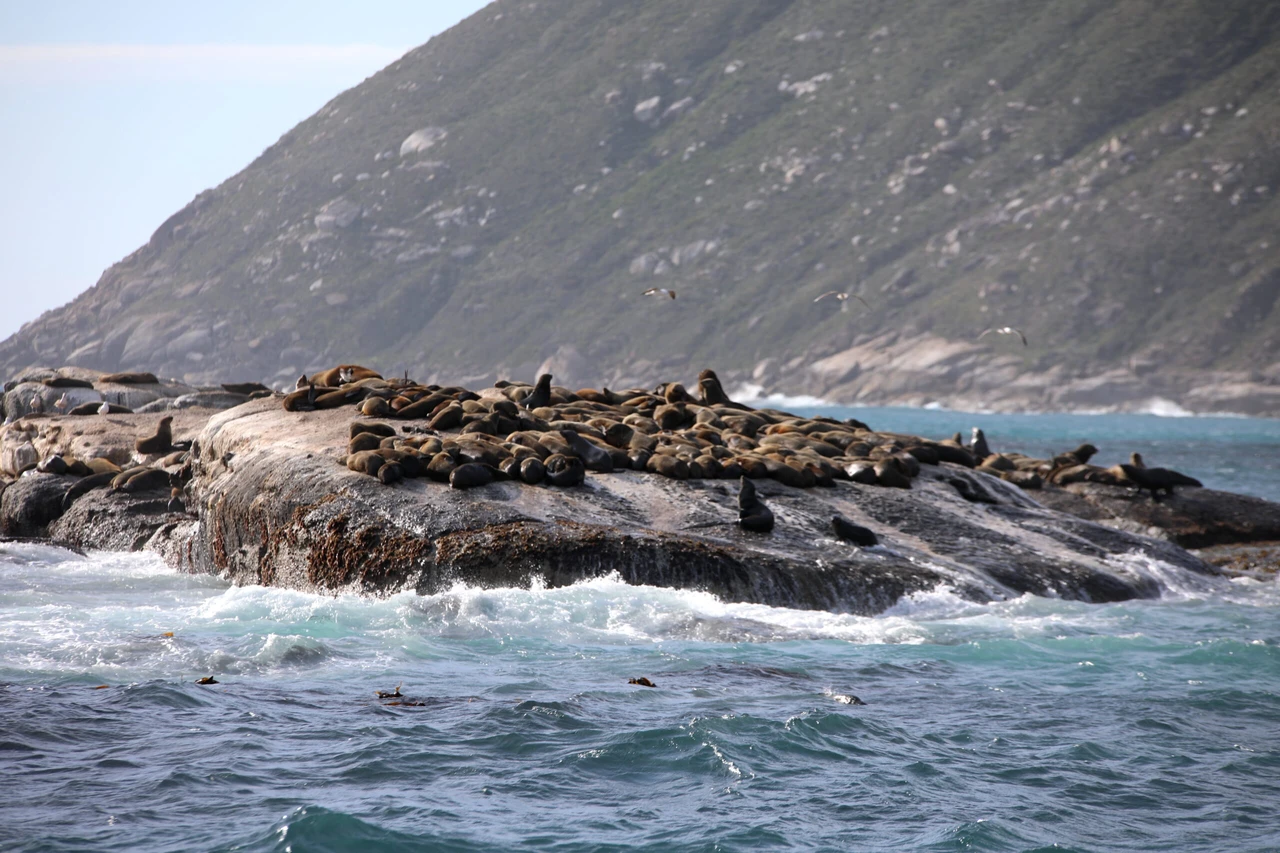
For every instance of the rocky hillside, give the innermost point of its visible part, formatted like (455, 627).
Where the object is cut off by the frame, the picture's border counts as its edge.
(1100, 174)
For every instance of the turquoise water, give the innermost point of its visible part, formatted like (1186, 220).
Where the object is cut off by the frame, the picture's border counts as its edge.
(1028, 724)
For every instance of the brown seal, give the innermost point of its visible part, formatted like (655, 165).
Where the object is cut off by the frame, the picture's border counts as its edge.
(146, 479)
(343, 374)
(470, 475)
(753, 514)
(66, 382)
(1156, 480)
(85, 485)
(847, 531)
(129, 379)
(541, 394)
(565, 470)
(160, 442)
(889, 473)
(979, 446)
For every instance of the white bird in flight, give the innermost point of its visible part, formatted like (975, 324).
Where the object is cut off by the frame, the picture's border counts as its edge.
(843, 298)
(662, 291)
(1005, 330)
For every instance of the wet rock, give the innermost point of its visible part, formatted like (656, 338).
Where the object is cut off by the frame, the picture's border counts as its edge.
(1192, 517)
(115, 521)
(31, 503)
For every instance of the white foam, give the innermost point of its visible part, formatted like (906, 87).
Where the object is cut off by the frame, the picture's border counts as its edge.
(114, 626)
(1164, 408)
(749, 393)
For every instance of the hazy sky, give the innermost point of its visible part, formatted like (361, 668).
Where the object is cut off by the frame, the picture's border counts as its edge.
(115, 114)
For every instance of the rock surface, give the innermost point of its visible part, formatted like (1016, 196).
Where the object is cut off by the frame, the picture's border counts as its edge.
(271, 502)
(1193, 518)
(30, 505)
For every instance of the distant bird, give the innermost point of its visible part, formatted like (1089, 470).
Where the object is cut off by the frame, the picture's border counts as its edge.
(389, 694)
(62, 403)
(660, 291)
(1005, 330)
(843, 298)
(37, 405)
(105, 408)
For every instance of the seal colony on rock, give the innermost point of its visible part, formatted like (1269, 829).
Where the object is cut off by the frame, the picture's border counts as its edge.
(491, 465)
(548, 434)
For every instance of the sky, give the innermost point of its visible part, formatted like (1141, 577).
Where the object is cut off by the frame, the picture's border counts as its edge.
(116, 114)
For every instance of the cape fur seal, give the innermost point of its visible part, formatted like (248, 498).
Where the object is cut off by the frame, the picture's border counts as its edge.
(594, 458)
(85, 485)
(65, 382)
(541, 394)
(850, 532)
(979, 446)
(1156, 480)
(334, 376)
(753, 515)
(160, 442)
(470, 475)
(1080, 456)
(565, 470)
(133, 378)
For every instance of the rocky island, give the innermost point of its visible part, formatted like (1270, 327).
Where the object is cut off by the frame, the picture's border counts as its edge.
(358, 483)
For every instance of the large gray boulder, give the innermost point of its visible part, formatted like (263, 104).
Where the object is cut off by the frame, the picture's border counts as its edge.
(30, 504)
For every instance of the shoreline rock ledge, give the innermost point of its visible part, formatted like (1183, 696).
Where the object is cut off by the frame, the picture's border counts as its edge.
(269, 499)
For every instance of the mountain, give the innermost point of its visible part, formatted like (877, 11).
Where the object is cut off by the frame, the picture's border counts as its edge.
(1099, 174)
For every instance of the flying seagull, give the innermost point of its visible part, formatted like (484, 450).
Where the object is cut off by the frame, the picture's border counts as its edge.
(843, 297)
(1005, 330)
(662, 291)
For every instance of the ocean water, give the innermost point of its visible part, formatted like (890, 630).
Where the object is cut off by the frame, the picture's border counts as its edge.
(941, 725)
